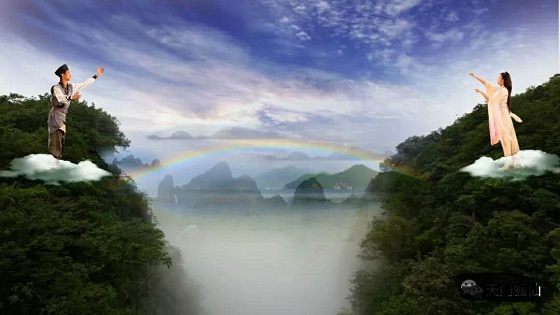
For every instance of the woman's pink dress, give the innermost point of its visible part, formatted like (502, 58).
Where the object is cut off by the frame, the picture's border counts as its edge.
(500, 121)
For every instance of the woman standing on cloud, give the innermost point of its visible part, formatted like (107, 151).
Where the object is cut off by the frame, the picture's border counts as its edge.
(500, 116)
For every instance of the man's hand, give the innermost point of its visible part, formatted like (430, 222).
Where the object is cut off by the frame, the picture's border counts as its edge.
(76, 96)
(472, 74)
(100, 71)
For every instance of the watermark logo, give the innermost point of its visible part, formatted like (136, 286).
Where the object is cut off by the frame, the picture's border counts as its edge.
(498, 286)
(470, 288)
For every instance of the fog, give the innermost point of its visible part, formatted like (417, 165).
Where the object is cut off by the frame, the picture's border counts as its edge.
(282, 261)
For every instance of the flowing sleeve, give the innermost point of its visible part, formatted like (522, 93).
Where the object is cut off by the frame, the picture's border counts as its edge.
(494, 118)
(493, 123)
(490, 90)
(515, 117)
(80, 86)
(59, 99)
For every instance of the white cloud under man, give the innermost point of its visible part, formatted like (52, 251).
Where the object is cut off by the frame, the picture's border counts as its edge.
(46, 168)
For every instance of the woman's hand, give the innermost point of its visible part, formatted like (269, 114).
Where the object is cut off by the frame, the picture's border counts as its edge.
(481, 80)
(482, 93)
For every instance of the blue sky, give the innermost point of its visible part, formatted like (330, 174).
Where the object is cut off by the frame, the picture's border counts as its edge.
(363, 73)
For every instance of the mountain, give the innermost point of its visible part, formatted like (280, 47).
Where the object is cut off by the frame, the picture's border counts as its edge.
(274, 202)
(231, 133)
(212, 179)
(355, 177)
(276, 178)
(177, 135)
(155, 163)
(181, 135)
(309, 192)
(131, 162)
(218, 188)
(81, 248)
(441, 222)
(357, 153)
(243, 133)
(166, 189)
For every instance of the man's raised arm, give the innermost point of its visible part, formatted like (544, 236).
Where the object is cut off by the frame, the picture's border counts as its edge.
(80, 86)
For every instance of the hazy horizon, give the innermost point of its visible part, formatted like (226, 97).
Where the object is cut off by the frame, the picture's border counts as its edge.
(241, 163)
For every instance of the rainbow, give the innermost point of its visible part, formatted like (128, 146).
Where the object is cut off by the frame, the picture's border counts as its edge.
(221, 147)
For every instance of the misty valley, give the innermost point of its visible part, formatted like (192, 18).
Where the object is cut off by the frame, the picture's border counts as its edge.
(272, 251)
(268, 261)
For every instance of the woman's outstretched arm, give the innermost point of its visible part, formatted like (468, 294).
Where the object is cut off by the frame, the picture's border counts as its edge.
(481, 80)
(482, 93)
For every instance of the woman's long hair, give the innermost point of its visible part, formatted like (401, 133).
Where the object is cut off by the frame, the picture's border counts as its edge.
(507, 84)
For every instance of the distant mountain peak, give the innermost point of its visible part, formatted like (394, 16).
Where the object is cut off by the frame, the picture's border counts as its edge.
(219, 171)
(165, 188)
(310, 185)
(131, 162)
(180, 134)
(309, 190)
(297, 155)
(177, 135)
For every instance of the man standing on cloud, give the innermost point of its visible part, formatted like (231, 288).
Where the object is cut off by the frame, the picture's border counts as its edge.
(61, 96)
(500, 116)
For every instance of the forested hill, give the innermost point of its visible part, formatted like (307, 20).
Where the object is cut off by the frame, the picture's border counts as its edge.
(355, 177)
(79, 248)
(441, 222)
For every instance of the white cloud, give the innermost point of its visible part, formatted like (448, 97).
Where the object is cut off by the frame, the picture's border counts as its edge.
(451, 35)
(46, 168)
(303, 36)
(532, 162)
(396, 7)
(366, 23)
(452, 17)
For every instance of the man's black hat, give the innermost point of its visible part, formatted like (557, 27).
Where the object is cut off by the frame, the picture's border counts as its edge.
(61, 70)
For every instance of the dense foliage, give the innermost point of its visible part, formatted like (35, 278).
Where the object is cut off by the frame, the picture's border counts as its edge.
(80, 248)
(441, 222)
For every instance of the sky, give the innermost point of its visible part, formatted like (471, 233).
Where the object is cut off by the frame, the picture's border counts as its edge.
(360, 73)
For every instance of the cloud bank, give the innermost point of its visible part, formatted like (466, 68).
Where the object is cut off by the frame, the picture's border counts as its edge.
(533, 163)
(46, 168)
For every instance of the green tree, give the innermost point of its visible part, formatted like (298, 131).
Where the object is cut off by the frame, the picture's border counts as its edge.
(440, 221)
(79, 248)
